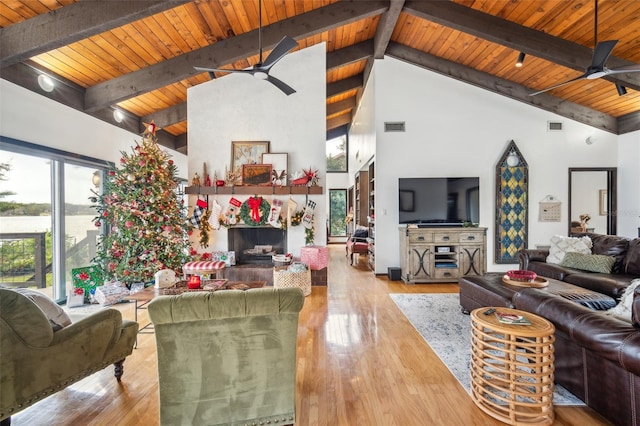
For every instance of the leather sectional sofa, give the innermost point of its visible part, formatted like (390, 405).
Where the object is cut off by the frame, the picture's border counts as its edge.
(597, 356)
(626, 267)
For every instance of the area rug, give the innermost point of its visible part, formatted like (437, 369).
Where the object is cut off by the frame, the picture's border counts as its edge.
(447, 331)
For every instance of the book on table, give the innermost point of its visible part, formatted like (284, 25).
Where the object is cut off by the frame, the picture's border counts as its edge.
(514, 319)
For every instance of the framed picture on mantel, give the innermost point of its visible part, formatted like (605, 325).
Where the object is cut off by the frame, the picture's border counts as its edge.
(247, 153)
(256, 174)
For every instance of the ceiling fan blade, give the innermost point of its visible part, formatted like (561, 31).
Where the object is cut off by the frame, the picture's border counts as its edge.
(622, 70)
(601, 54)
(278, 52)
(583, 76)
(249, 71)
(288, 90)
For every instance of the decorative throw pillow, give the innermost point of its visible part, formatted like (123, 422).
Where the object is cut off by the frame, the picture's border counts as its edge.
(561, 245)
(361, 233)
(623, 309)
(54, 313)
(588, 262)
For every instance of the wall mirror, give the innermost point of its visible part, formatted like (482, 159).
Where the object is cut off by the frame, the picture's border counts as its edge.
(592, 192)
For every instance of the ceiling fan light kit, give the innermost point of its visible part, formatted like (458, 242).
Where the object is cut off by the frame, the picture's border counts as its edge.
(621, 89)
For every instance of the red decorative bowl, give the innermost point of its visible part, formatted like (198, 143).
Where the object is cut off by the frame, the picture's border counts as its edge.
(522, 275)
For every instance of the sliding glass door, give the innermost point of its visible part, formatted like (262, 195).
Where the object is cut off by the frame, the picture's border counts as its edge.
(46, 218)
(81, 235)
(26, 221)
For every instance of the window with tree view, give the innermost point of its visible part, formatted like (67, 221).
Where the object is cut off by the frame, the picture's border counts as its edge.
(337, 154)
(337, 212)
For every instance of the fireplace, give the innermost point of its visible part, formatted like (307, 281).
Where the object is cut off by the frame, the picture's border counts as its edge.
(256, 244)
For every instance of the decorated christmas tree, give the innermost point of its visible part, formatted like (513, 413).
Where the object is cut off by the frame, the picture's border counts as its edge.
(145, 221)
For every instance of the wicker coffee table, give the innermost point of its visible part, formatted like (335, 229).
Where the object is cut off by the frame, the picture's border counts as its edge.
(512, 367)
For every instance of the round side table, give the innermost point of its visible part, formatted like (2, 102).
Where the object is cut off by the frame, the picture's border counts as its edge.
(512, 367)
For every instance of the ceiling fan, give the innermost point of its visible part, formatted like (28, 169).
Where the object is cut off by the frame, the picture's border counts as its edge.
(262, 68)
(597, 68)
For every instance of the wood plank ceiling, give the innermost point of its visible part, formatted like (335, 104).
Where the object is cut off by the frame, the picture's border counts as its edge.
(138, 56)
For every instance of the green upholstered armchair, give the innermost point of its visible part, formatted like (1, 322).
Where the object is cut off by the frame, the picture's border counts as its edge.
(227, 357)
(36, 362)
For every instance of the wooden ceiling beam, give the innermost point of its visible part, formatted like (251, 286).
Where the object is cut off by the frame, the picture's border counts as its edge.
(168, 116)
(504, 87)
(228, 51)
(338, 121)
(343, 105)
(72, 23)
(344, 85)
(629, 123)
(386, 25)
(384, 31)
(348, 55)
(181, 144)
(517, 37)
(25, 74)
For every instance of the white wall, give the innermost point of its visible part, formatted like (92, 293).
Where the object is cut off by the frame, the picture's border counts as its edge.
(456, 129)
(629, 184)
(29, 117)
(241, 108)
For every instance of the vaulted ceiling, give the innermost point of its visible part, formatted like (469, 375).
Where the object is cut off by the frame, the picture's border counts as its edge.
(138, 56)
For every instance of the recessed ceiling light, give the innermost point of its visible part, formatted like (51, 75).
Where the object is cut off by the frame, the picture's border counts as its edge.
(46, 83)
(118, 115)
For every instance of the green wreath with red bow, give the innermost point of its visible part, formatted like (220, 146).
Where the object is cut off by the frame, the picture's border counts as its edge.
(255, 211)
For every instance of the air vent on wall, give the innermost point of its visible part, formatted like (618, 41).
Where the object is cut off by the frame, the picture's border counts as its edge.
(394, 126)
(554, 126)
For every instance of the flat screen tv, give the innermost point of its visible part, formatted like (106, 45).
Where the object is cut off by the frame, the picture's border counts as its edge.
(439, 201)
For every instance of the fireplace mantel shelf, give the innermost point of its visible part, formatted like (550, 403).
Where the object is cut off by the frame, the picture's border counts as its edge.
(253, 189)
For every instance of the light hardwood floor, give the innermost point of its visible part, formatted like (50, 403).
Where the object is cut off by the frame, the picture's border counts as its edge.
(360, 362)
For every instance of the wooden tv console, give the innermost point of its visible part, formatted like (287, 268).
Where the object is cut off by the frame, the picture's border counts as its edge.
(430, 255)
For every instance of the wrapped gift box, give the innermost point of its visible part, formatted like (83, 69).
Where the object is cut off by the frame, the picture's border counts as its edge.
(75, 297)
(111, 293)
(316, 257)
(228, 257)
(87, 278)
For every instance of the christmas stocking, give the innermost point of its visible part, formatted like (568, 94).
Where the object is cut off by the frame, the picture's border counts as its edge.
(307, 217)
(214, 219)
(198, 211)
(291, 209)
(274, 214)
(230, 215)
